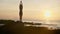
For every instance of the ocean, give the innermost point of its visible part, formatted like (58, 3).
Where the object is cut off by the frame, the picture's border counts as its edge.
(48, 24)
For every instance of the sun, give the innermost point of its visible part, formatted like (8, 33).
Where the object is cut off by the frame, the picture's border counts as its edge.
(47, 13)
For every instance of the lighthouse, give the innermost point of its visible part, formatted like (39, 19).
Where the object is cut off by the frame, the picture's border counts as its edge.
(20, 11)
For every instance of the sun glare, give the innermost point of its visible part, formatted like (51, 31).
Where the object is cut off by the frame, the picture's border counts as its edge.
(47, 13)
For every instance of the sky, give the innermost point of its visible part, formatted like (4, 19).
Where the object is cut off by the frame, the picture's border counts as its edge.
(33, 10)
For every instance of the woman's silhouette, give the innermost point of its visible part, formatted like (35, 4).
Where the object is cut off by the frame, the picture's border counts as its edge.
(20, 12)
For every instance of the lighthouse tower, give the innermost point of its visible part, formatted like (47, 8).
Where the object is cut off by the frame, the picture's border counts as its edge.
(21, 10)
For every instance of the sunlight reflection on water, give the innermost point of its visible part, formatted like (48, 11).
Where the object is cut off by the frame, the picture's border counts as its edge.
(1, 24)
(50, 26)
